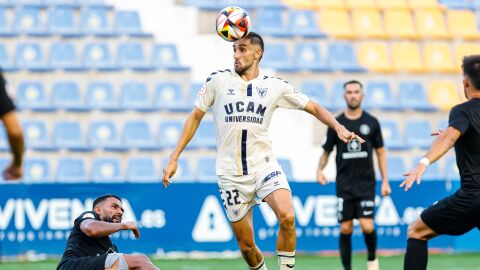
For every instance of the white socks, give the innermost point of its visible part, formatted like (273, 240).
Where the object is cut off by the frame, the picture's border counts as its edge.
(286, 260)
(261, 266)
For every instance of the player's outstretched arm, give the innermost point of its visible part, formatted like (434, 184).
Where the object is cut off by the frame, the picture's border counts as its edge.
(96, 228)
(189, 129)
(445, 140)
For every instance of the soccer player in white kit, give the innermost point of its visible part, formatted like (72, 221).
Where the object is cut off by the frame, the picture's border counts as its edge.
(243, 102)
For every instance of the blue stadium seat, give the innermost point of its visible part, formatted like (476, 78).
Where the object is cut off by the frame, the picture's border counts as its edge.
(317, 91)
(169, 96)
(37, 170)
(168, 133)
(309, 56)
(206, 170)
(61, 21)
(97, 56)
(30, 56)
(303, 23)
(106, 170)
(66, 95)
(451, 169)
(271, 22)
(3, 139)
(94, 3)
(192, 95)
(69, 135)
(378, 94)
(71, 170)
(245, 4)
(341, 57)
(203, 4)
(184, 170)
(432, 172)
(277, 57)
(128, 23)
(100, 95)
(94, 20)
(287, 168)
(5, 60)
(5, 26)
(269, 3)
(458, 4)
(135, 96)
(63, 55)
(392, 138)
(66, 3)
(37, 136)
(338, 95)
(396, 168)
(103, 134)
(27, 21)
(131, 55)
(30, 3)
(418, 133)
(166, 56)
(205, 136)
(138, 135)
(31, 96)
(142, 169)
(412, 95)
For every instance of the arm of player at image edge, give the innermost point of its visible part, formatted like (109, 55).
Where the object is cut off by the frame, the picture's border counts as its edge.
(96, 228)
(16, 142)
(327, 118)
(322, 163)
(445, 140)
(385, 189)
(189, 129)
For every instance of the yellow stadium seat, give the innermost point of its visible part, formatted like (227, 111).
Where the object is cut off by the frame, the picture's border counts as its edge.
(300, 4)
(406, 57)
(464, 49)
(367, 22)
(462, 24)
(360, 3)
(392, 4)
(336, 22)
(443, 94)
(425, 4)
(328, 4)
(399, 24)
(438, 57)
(374, 56)
(431, 23)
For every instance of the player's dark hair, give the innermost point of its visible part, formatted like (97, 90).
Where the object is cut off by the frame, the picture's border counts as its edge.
(256, 39)
(103, 198)
(471, 68)
(352, 82)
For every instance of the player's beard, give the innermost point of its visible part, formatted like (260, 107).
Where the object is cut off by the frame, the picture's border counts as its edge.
(241, 70)
(353, 105)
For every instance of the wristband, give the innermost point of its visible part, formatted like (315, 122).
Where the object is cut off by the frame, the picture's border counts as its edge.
(425, 161)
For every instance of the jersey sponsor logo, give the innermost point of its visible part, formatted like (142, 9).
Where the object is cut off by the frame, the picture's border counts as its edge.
(88, 215)
(364, 129)
(203, 90)
(242, 107)
(354, 150)
(262, 92)
(271, 176)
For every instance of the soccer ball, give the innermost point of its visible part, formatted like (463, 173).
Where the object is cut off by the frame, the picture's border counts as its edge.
(233, 23)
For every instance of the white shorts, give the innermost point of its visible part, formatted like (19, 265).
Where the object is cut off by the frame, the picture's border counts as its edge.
(241, 192)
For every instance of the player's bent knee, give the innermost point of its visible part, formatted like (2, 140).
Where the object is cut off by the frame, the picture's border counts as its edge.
(287, 220)
(247, 247)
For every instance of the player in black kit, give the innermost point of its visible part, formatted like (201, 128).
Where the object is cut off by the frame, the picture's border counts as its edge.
(89, 245)
(460, 212)
(356, 183)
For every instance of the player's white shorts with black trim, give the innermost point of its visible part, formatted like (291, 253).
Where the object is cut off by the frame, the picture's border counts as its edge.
(241, 192)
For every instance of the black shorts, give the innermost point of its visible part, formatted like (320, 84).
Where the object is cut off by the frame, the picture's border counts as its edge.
(454, 215)
(90, 263)
(349, 209)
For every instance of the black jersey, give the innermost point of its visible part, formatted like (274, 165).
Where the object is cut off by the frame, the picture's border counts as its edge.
(355, 172)
(79, 245)
(6, 104)
(465, 118)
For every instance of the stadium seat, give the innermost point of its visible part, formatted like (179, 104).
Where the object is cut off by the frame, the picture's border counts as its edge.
(71, 170)
(138, 135)
(392, 4)
(458, 4)
(308, 56)
(61, 21)
(392, 137)
(202, 4)
(337, 94)
(192, 94)
(94, 3)
(425, 4)
(5, 26)
(103, 134)
(30, 56)
(61, 3)
(412, 95)
(317, 92)
(304, 23)
(277, 57)
(169, 96)
(287, 168)
(329, 4)
(135, 96)
(168, 133)
(97, 56)
(378, 94)
(396, 168)
(27, 21)
(374, 56)
(462, 24)
(94, 20)
(69, 135)
(360, 4)
(431, 23)
(206, 170)
(106, 170)
(406, 57)
(63, 55)
(5, 60)
(300, 4)
(37, 170)
(265, 3)
(341, 57)
(432, 173)
(451, 169)
(463, 49)
(417, 134)
(271, 22)
(4, 146)
(142, 170)
(399, 23)
(367, 23)
(31, 96)
(36, 135)
(166, 56)
(205, 136)
(438, 57)
(336, 22)
(100, 95)
(66, 95)
(184, 170)
(443, 94)
(30, 3)
(128, 23)
(131, 55)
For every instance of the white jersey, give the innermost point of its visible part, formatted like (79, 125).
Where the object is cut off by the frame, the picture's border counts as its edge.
(242, 111)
